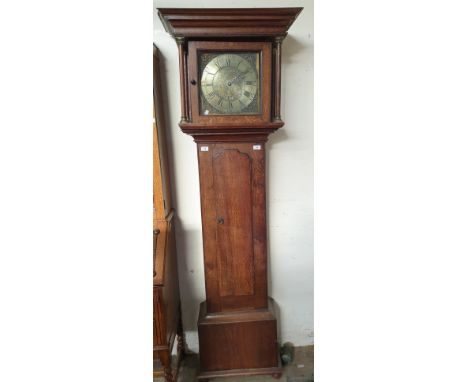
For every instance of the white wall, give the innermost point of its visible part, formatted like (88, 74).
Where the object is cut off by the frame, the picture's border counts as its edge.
(289, 180)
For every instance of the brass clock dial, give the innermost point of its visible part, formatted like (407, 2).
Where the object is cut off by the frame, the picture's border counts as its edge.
(230, 84)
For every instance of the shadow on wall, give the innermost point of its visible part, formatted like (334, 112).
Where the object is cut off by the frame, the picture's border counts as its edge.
(290, 49)
(189, 280)
(166, 119)
(279, 136)
(292, 55)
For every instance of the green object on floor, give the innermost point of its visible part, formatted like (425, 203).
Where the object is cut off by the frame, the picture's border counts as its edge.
(287, 353)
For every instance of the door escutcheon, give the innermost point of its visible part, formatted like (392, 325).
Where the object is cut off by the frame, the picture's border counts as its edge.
(220, 220)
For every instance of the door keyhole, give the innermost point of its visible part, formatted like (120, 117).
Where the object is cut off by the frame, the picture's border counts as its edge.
(220, 220)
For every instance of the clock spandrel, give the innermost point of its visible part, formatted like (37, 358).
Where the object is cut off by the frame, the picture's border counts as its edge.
(229, 83)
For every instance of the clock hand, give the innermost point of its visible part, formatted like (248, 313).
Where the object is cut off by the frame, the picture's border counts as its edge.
(236, 78)
(239, 76)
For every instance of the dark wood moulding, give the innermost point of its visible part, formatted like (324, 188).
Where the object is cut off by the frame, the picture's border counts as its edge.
(233, 22)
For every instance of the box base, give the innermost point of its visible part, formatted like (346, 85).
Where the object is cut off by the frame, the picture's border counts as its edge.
(238, 343)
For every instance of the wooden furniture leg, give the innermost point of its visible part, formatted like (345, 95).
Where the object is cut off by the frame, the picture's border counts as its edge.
(165, 357)
(180, 336)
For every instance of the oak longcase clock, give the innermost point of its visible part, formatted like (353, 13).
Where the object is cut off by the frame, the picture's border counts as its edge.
(230, 85)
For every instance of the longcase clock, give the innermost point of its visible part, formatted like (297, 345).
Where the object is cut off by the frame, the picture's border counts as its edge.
(230, 82)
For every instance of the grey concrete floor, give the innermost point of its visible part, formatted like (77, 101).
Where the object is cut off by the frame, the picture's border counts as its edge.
(300, 370)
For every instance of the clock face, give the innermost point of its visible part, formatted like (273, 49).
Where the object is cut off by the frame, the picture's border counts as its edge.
(229, 83)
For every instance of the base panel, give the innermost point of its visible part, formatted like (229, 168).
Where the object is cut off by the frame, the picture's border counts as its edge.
(238, 343)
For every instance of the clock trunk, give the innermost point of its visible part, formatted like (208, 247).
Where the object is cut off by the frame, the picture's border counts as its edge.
(232, 189)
